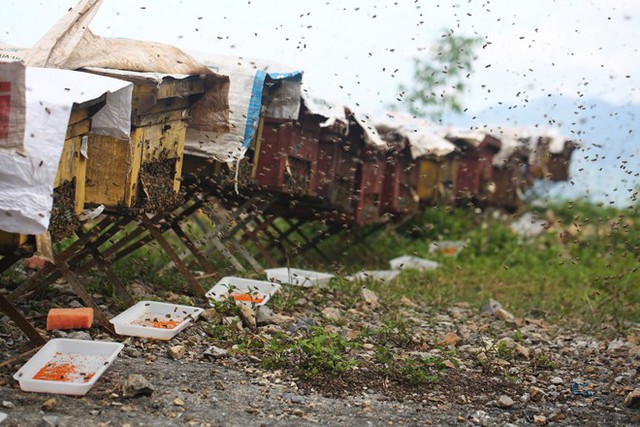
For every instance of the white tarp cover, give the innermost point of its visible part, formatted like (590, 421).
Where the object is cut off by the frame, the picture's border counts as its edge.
(247, 83)
(513, 138)
(12, 105)
(474, 138)
(425, 138)
(333, 112)
(71, 45)
(27, 177)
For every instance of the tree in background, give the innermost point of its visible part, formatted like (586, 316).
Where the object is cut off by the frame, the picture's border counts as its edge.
(439, 81)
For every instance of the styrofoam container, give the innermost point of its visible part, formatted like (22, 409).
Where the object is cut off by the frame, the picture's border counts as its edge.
(381, 275)
(256, 288)
(148, 319)
(446, 247)
(89, 360)
(297, 276)
(409, 261)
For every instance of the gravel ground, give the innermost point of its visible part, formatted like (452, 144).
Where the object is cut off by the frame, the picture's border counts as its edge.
(507, 371)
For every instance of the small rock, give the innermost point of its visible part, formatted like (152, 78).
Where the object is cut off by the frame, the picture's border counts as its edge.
(369, 297)
(178, 402)
(615, 345)
(450, 339)
(633, 399)
(536, 393)
(177, 352)
(300, 302)
(75, 304)
(94, 412)
(210, 314)
(522, 351)
(368, 346)
(7, 404)
(248, 316)
(264, 315)
(556, 381)
(215, 352)
(49, 421)
(490, 306)
(79, 335)
(540, 420)
(136, 385)
(505, 402)
(332, 314)
(303, 323)
(504, 315)
(49, 404)
(294, 398)
(234, 322)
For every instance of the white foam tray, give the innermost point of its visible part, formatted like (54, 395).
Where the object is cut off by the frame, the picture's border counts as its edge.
(446, 247)
(89, 358)
(409, 261)
(297, 276)
(228, 285)
(135, 321)
(381, 275)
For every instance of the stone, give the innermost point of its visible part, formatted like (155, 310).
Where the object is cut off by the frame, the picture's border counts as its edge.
(504, 315)
(49, 404)
(615, 345)
(536, 393)
(633, 399)
(215, 352)
(79, 335)
(522, 351)
(490, 306)
(49, 421)
(233, 322)
(178, 402)
(210, 315)
(450, 339)
(248, 316)
(177, 352)
(136, 385)
(540, 420)
(368, 346)
(505, 402)
(7, 404)
(556, 381)
(369, 297)
(266, 316)
(332, 314)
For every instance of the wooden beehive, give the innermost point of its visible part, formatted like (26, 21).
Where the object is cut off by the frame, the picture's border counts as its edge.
(401, 178)
(474, 179)
(510, 180)
(144, 172)
(286, 157)
(436, 179)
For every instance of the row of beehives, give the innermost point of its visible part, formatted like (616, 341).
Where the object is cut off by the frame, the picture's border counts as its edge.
(263, 133)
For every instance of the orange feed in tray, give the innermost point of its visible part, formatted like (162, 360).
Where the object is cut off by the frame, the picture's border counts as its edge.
(247, 298)
(164, 324)
(69, 318)
(64, 372)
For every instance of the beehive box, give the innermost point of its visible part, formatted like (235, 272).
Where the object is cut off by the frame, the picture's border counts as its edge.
(70, 183)
(474, 176)
(350, 178)
(286, 157)
(144, 172)
(401, 176)
(436, 179)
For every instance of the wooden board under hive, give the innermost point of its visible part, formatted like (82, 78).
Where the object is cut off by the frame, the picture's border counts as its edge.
(146, 171)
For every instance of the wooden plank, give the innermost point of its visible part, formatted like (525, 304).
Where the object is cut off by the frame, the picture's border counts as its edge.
(160, 117)
(81, 174)
(110, 168)
(161, 139)
(79, 128)
(21, 322)
(66, 166)
(12, 240)
(174, 88)
(157, 235)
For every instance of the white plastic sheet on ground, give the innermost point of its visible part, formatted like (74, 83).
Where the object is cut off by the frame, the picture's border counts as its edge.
(247, 83)
(27, 177)
(425, 138)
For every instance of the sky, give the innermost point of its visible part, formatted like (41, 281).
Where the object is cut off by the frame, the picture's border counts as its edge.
(358, 52)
